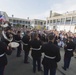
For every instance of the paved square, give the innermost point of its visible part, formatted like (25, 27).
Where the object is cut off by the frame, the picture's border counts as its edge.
(17, 67)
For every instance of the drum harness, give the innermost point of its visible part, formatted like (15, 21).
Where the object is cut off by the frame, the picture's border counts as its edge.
(1, 55)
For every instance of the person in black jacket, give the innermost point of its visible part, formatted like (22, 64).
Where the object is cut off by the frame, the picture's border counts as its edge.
(36, 52)
(69, 48)
(51, 55)
(18, 40)
(4, 49)
(7, 36)
(26, 46)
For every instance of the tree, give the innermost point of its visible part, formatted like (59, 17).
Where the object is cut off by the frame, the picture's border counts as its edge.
(18, 25)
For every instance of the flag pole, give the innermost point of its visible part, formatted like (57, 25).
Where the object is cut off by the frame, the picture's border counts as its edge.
(12, 20)
(2, 18)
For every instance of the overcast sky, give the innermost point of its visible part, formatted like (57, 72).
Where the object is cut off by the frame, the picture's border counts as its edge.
(36, 8)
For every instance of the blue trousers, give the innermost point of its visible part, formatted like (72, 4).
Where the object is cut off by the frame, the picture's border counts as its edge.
(38, 60)
(52, 71)
(67, 62)
(2, 70)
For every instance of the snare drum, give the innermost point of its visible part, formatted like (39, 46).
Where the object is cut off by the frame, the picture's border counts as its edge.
(14, 44)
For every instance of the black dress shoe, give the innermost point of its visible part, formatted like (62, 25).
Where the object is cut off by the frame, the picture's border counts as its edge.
(63, 68)
(18, 56)
(40, 70)
(27, 62)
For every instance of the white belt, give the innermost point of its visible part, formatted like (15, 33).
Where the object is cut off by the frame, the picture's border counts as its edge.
(18, 41)
(69, 49)
(2, 55)
(25, 44)
(36, 48)
(50, 57)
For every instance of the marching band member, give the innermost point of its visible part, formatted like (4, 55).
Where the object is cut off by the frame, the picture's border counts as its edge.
(35, 44)
(18, 40)
(26, 46)
(7, 36)
(69, 49)
(4, 49)
(51, 56)
(74, 40)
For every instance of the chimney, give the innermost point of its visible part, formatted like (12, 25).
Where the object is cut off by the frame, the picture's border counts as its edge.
(50, 13)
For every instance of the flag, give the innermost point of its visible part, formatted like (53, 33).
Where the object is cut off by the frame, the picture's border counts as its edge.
(2, 18)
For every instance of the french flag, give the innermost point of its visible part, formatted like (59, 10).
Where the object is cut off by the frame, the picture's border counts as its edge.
(2, 19)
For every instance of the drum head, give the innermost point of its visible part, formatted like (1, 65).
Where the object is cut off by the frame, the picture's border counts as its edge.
(5, 25)
(14, 44)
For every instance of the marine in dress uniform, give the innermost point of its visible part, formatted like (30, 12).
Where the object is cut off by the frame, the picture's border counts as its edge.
(7, 36)
(36, 52)
(26, 46)
(44, 38)
(69, 48)
(4, 49)
(18, 40)
(51, 56)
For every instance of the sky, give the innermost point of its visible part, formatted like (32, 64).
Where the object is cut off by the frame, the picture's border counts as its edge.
(36, 9)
